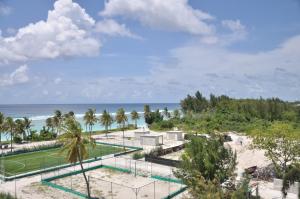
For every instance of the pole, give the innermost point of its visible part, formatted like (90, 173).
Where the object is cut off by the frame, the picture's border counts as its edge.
(111, 190)
(135, 169)
(154, 189)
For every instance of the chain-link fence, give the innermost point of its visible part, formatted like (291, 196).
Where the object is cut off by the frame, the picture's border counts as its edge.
(116, 178)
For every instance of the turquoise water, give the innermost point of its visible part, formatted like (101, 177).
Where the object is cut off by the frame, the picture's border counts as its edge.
(38, 113)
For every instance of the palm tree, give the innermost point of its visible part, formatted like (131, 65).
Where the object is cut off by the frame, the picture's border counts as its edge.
(166, 113)
(27, 126)
(10, 125)
(19, 128)
(106, 120)
(73, 141)
(90, 119)
(135, 116)
(121, 119)
(176, 114)
(56, 123)
(50, 124)
(58, 119)
(2, 126)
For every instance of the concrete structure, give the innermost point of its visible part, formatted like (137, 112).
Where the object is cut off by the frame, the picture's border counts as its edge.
(138, 134)
(151, 139)
(175, 135)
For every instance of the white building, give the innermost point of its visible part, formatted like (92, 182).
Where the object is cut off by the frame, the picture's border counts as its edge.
(138, 134)
(175, 135)
(152, 139)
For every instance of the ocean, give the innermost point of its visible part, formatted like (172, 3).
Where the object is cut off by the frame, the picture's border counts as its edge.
(38, 113)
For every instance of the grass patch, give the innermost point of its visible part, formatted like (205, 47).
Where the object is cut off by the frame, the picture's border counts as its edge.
(26, 162)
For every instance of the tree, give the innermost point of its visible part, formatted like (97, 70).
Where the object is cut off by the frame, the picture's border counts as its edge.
(106, 120)
(74, 143)
(205, 165)
(2, 125)
(281, 144)
(10, 125)
(121, 119)
(135, 116)
(166, 113)
(292, 176)
(19, 128)
(57, 120)
(50, 124)
(27, 126)
(90, 119)
(147, 112)
(176, 114)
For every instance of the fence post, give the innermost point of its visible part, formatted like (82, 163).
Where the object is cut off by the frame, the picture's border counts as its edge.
(135, 169)
(257, 191)
(15, 187)
(111, 190)
(154, 189)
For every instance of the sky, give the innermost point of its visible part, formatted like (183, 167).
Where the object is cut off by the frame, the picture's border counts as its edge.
(138, 51)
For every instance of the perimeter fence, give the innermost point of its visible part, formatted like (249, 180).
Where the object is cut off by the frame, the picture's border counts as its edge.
(117, 178)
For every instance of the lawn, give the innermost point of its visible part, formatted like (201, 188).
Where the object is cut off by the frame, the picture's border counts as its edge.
(32, 161)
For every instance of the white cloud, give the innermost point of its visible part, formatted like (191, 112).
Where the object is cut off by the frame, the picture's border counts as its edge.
(65, 33)
(234, 25)
(18, 76)
(4, 10)
(113, 28)
(173, 15)
(57, 80)
(210, 69)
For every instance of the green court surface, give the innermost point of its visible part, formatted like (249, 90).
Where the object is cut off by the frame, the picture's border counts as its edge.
(32, 161)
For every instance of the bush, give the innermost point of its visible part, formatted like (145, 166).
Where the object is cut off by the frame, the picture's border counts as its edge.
(138, 155)
(17, 139)
(163, 125)
(6, 196)
(156, 152)
(33, 149)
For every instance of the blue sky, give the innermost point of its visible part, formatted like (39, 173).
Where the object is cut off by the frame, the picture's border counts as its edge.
(88, 51)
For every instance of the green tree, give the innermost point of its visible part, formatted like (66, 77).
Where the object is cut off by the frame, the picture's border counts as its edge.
(50, 124)
(106, 120)
(90, 119)
(57, 120)
(281, 144)
(292, 176)
(121, 119)
(27, 126)
(147, 112)
(11, 127)
(166, 113)
(135, 116)
(2, 125)
(74, 144)
(20, 128)
(176, 114)
(206, 164)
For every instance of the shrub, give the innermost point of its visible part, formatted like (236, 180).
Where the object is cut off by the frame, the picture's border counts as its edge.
(156, 152)
(33, 149)
(6, 196)
(17, 139)
(138, 155)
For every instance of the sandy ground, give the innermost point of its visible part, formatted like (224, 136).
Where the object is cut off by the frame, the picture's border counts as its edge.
(248, 157)
(107, 183)
(174, 156)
